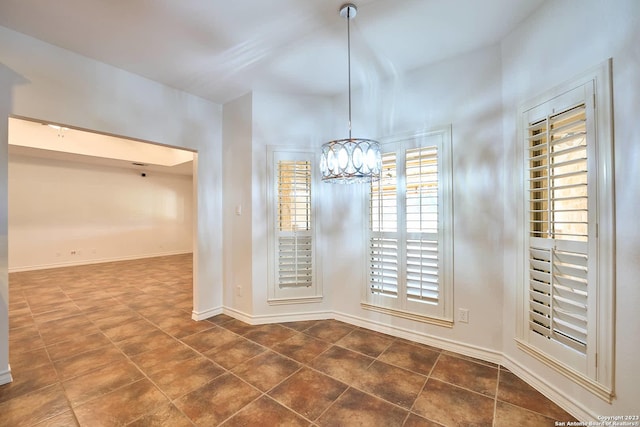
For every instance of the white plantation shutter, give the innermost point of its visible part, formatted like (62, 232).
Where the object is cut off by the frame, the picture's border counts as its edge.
(292, 255)
(558, 296)
(566, 259)
(422, 271)
(383, 220)
(383, 259)
(294, 261)
(421, 199)
(295, 249)
(409, 252)
(558, 221)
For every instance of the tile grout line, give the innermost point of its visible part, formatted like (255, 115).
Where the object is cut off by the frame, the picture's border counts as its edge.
(495, 399)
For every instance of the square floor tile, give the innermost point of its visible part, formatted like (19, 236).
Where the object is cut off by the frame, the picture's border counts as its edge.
(156, 340)
(165, 415)
(121, 406)
(266, 370)
(355, 408)
(467, 374)
(412, 357)
(101, 381)
(209, 339)
(265, 412)
(453, 406)
(88, 361)
(77, 345)
(35, 407)
(218, 400)
(344, 365)
(186, 377)
(308, 392)
(393, 384)
(269, 335)
(234, 353)
(512, 389)
(238, 326)
(366, 342)
(329, 330)
(302, 347)
(160, 359)
(27, 381)
(508, 415)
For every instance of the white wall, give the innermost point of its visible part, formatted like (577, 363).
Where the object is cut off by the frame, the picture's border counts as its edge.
(237, 124)
(443, 94)
(251, 124)
(284, 120)
(70, 213)
(561, 40)
(41, 81)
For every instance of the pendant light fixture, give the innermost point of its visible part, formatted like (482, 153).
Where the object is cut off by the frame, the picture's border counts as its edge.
(350, 160)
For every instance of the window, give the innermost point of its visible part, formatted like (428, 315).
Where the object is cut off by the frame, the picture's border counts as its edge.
(410, 239)
(567, 272)
(292, 254)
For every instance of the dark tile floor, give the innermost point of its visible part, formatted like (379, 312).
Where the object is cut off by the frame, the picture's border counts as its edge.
(114, 344)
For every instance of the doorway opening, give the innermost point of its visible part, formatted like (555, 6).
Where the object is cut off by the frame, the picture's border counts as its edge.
(80, 197)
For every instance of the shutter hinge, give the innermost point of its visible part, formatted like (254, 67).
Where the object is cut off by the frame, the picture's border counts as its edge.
(596, 360)
(594, 100)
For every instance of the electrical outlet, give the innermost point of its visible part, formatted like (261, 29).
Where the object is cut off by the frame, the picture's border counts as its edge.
(463, 315)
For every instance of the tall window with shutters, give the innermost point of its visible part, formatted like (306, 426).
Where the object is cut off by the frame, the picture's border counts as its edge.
(558, 222)
(567, 271)
(292, 242)
(410, 241)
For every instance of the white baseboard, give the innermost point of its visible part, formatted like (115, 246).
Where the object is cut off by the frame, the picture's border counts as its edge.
(202, 315)
(5, 376)
(93, 261)
(579, 412)
(454, 346)
(277, 318)
(445, 344)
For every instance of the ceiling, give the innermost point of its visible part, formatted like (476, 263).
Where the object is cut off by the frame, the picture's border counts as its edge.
(222, 49)
(46, 141)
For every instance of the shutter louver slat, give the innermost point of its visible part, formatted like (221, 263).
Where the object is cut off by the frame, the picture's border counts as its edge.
(383, 266)
(383, 212)
(295, 261)
(422, 267)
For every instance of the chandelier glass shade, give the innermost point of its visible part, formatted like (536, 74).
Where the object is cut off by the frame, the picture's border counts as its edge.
(350, 160)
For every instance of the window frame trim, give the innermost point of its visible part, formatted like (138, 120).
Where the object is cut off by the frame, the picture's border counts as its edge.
(445, 162)
(297, 295)
(601, 383)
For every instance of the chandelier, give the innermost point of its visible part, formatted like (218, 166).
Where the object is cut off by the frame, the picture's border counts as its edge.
(350, 160)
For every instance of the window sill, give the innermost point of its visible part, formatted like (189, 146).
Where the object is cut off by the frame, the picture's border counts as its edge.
(302, 300)
(587, 383)
(408, 315)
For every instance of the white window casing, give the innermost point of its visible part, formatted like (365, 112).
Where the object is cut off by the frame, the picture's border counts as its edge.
(292, 256)
(566, 270)
(410, 241)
